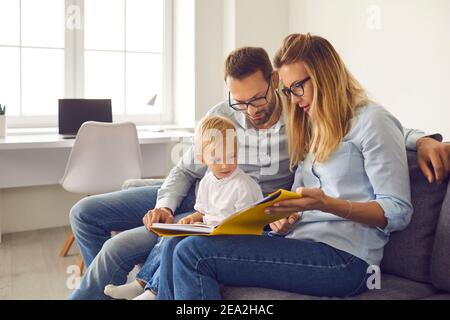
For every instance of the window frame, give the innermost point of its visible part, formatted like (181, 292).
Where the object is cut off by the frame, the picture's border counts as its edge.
(74, 75)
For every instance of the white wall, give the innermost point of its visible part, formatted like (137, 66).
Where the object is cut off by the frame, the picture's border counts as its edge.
(198, 47)
(35, 208)
(208, 55)
(261, 23)
(404, 65)
(205, 32)
(183, 87)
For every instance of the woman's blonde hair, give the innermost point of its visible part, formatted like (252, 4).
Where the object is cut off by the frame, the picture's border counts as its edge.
(336, 97)
(215, 132)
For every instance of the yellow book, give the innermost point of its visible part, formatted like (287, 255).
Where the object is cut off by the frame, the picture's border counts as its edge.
(247, 221)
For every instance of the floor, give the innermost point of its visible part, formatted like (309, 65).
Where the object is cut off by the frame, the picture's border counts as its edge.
(30, 266)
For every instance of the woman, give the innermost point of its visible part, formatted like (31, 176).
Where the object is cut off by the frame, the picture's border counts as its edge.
(353, 176)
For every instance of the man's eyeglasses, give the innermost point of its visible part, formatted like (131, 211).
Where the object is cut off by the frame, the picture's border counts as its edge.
(255, 102)
(297, 88)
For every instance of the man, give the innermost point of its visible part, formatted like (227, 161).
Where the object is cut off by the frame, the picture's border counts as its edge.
(256, 109)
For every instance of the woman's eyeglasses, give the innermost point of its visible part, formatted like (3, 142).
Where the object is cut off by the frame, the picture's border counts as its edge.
(297, 88)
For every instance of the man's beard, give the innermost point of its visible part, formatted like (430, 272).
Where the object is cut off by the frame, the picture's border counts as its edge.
(267, 114)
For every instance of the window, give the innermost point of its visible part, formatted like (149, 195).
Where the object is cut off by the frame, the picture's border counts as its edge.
(117, 49)
(31, 56)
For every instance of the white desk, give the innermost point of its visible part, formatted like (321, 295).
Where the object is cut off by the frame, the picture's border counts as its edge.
(48, 138)
(38, 156)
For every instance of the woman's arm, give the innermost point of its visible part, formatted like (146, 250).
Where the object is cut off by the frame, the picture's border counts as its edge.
(386, 167)
(368, 213)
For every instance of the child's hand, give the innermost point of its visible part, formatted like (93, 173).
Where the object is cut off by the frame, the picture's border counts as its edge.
(284, 226)
(187, 220)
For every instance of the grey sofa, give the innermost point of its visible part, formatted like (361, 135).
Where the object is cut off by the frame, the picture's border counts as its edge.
(416, 263)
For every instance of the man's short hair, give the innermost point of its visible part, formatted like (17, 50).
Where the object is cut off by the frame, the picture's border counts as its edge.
(245, 61)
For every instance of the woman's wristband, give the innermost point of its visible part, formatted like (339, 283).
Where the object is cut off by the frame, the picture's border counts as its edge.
(349, 210)
(339, 207)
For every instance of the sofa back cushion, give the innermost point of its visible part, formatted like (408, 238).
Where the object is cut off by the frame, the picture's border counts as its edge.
(408, 252)
(440, 261)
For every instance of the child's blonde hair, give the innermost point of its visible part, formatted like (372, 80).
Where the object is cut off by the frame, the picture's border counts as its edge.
(215, 132)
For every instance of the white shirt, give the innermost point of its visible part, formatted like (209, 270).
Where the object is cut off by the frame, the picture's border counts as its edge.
(217, 199)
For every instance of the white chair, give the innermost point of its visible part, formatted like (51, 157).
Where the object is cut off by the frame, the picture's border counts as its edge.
(103, 156)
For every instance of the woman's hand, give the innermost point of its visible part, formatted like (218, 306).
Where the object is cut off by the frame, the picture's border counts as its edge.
(311, 199)
(368, 213)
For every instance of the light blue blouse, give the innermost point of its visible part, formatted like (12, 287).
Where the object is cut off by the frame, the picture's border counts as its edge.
(369, 165)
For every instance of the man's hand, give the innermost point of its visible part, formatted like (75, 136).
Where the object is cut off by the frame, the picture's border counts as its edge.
(434, 159)
(161, 215)
(284, 225)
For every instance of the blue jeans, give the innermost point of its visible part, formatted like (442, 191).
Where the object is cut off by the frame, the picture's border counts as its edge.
(193, 267)
(109, 260)
(149, 272)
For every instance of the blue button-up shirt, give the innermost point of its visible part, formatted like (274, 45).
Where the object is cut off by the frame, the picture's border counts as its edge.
(370, 164)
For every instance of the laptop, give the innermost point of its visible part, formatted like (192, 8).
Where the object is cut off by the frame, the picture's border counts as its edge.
(72, 113)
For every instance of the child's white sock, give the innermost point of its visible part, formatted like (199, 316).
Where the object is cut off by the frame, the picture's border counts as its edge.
(126, 291)
(147, 295)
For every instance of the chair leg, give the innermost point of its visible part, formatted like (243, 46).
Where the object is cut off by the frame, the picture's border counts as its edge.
(66, 247)
(65, 250)
(80, 264)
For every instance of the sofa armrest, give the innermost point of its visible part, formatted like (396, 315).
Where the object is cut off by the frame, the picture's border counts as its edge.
(135, 183)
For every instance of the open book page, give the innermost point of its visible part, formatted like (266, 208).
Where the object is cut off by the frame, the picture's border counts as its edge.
(192, 228)
(270, 197)
(247, 221)
(203, 228)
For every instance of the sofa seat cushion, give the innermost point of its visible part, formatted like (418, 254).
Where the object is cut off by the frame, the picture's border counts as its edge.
(392, 288)
(136, 183)
(440, 296)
